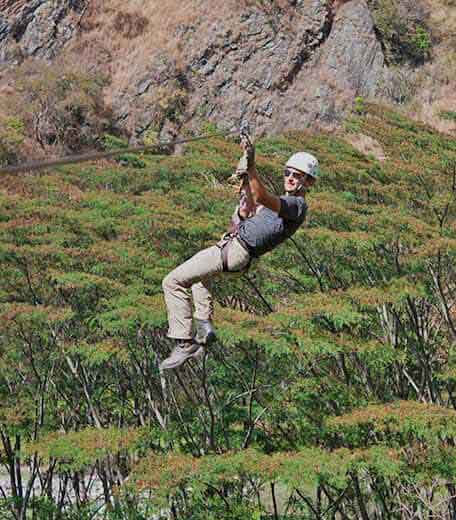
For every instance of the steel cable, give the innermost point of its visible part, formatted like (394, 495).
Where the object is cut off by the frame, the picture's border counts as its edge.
(72, 159)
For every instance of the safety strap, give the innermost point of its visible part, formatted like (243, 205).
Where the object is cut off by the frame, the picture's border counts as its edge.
(224, 252)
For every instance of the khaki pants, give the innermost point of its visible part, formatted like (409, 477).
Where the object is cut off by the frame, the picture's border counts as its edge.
(193, 274)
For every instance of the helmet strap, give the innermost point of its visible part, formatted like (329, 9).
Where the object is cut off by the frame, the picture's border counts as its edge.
(299, 187)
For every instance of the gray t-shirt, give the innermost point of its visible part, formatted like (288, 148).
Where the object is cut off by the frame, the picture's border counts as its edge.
(267, 229)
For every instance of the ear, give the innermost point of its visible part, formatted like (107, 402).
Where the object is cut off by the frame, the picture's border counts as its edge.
(310, 181)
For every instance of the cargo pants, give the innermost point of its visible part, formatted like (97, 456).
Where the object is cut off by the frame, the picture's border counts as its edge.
(190, 279)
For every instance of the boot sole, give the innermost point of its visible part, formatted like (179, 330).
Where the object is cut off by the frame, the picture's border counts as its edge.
(178, 363)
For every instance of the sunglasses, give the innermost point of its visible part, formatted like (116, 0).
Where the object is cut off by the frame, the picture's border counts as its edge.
(299, 176)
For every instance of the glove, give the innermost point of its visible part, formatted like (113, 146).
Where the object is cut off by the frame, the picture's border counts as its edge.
(247, 161)
(249, 150)
(240, 178)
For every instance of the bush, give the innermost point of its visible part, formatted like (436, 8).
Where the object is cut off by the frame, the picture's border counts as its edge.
(449, 115)
(403, 30)
(112, 142)
(61, 107)
(12, 135)
(131, 159)
(359, 106)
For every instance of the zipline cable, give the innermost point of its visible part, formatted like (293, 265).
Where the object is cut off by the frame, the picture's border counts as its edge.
(72, 159)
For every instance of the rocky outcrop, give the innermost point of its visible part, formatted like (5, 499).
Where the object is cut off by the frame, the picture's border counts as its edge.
(283, 68)
(350, 64)
(39, 28)
(4, 28)
(307, 66)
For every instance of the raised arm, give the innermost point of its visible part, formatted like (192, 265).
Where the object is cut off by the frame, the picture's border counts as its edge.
(246, 207)
(260, 194)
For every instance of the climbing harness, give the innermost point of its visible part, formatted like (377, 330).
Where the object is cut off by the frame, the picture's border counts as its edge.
(224, 252)
(224, 246)
(40, 165)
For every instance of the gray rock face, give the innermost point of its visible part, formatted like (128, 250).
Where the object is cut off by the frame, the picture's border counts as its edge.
(282, 69)
(350, 63)
(4, 28)
(353, 54)
(302, 68)
(246, 73)
(39, 28)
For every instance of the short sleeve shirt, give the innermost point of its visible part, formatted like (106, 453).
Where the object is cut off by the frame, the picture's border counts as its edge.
(267, 229)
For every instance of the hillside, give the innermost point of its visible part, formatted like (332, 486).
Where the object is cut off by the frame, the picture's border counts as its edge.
(332, 386)
(330, 392)
(280, 63)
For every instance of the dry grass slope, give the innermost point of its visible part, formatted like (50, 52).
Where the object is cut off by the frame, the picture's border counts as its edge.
(437, 79)
(134, 32)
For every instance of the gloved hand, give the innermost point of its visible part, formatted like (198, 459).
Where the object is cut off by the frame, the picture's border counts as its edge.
(249, 151)
(240, 177)
(247, 161)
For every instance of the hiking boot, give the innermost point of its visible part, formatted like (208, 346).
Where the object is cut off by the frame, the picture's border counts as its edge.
(182, 351)
(205, 332)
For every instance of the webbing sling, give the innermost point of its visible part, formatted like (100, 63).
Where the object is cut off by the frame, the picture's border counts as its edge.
(224, 252)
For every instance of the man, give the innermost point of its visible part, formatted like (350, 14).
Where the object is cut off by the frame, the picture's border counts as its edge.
(261, 222)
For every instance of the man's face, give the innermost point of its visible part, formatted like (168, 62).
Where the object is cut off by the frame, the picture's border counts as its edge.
(294, 179)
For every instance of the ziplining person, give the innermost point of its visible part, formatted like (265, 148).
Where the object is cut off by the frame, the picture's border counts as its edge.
(260, 223)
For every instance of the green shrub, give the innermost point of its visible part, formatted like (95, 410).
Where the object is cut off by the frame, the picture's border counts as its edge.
(403, 30)
(131, 159)
(62, 106)
(12, 135)
(359, 106)
(112, 142)
(450, 115)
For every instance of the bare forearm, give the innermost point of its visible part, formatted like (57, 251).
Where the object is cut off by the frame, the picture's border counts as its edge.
(246, 202)
(257, 189)
(259, 192)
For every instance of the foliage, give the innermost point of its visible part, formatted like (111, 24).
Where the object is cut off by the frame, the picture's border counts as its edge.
(331, 388)
(448, 114)
(403, 30)
(112, 142)
(12, 135)
(78, 450)
(59, 107)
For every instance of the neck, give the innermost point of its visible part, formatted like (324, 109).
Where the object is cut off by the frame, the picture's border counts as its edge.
(298, 193)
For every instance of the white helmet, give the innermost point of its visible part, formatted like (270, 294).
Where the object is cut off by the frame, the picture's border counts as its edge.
(304, 162)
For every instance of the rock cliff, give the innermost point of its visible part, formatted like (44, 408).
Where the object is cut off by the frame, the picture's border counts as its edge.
(281, 64)
(39, 28)
(303, 68)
